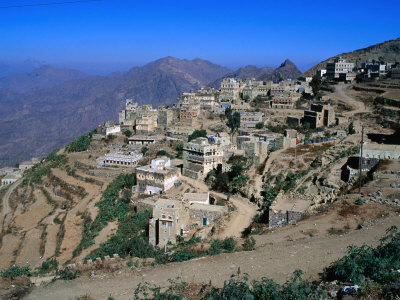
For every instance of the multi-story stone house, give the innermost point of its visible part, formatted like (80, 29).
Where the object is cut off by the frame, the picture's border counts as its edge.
(157, 177)
(319, 115)
(230, 89)
(250, 119)
(340, 69)
(165, 116)
(207, 97)
(119, 158)
(200, 156)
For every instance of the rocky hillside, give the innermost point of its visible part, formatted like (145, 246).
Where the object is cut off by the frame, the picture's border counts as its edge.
(388, 51)
(287, 70)
(41, 119)
(41, 77)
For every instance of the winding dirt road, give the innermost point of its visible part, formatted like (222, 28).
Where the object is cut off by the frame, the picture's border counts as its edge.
(6, 205)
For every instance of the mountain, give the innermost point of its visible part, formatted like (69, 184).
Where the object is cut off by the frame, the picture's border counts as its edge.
(11, 68)
(287, 70)
(38, 120)
(41, 77)
(388, 51)
(249, 71)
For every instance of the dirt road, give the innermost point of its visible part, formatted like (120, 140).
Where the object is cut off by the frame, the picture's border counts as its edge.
(6, 205)
(342, 93)
(240, 219)
(277, 256)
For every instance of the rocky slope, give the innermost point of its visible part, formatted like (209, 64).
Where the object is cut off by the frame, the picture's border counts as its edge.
(388, 51)
(41, 77)
(39, 120)
(287, 70)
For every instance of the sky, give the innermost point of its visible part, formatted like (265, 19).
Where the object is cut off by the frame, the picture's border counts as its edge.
(113, 35)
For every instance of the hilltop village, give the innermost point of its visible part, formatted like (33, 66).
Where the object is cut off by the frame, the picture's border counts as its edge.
(219, 165)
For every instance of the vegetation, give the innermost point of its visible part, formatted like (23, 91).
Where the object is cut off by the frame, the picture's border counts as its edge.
(260, 125)
(233, 121)
(249, 244)
(196, 134)
(16, 271)
(144, 150)
(315, 84)
(232, 181)
(39, 170)
(82, 143)
(179, 150)
(238, 287)
(127, 133)
(111, 207)
(379, 264)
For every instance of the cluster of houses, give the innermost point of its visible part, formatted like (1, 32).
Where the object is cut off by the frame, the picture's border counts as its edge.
(11, 175)
(341, 70)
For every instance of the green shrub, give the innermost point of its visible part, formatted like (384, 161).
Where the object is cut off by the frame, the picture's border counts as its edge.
(82, 143)
(359, 201)
(216, 247)
(48, 265)
(379, 264)
(196, 134)
(228, 244)
(16, 271)
(182, 255)
(65, 274)
(249, 244)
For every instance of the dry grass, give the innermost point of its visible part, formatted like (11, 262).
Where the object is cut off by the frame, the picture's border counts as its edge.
(349, 209)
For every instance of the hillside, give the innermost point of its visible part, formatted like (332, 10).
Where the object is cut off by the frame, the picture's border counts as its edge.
(388, 51)
(42, 117)
(287, 70)
(41, 77)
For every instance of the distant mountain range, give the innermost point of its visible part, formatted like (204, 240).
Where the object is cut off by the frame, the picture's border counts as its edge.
(48, 107)
(287, 70)
(388, 51)
(41, 77)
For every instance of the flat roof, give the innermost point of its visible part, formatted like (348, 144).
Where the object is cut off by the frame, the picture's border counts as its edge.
(384, 147)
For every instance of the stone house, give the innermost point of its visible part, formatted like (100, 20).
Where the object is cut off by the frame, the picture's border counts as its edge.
(381, 151)
(123, 159)
(250, 119)
(200, 156)
(157, 177)
(10, 178)
(319, 115)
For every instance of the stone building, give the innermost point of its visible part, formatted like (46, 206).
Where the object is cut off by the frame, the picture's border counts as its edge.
(340, 68)
(123, 159)
(127, 117)
(157, 177)
(250, 119)
(165, 116)
(230, 89)
(26, 165)
(381, 151)
(170, 219)
(207, 97)
(319, 115)
(180, 130)
(143, 139)
(253, 147)
(10, 178)
(146, 120)
(200, 156)
(188, 117)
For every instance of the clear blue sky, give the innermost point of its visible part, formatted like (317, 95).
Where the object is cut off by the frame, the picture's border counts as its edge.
(230, 33)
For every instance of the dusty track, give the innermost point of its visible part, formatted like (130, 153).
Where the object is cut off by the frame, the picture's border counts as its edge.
(277, 256)
(6, 205)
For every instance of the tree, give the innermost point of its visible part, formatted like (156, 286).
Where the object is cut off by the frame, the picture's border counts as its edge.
(196, 134)
(128, 133)
(238, 183)
(233, 123)
(228, 112)
(260, 125)
(315, 85)
(144, 150)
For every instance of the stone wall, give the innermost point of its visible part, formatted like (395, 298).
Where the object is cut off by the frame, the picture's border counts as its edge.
(280, 218)
(197, 215)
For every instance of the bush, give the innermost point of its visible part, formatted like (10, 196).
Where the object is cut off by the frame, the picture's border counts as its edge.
(249, 244)
(16, 271)
(359, 201)
(228, 244)
(65, 275)
(48, 265)
(379, 264)
(182, 255)
(80, 144)
(196, 134)
(260, 125)
(215, 247)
